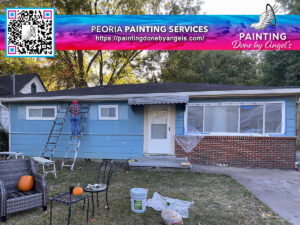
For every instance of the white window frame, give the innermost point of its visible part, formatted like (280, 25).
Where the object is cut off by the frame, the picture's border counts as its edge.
(40, 107)
(283, 119)
(116, 107)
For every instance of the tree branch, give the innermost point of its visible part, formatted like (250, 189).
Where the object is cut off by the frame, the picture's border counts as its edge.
(91, 62)
(135, 54)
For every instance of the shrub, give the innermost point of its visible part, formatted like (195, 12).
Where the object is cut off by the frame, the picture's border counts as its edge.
(4, 137)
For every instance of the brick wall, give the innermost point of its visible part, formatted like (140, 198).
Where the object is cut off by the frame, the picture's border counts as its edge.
(263, 152)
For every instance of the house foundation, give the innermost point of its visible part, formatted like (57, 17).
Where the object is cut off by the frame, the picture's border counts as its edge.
(241, 151)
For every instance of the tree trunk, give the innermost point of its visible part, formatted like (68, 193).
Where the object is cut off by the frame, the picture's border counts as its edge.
(101, 69)
(82, 82)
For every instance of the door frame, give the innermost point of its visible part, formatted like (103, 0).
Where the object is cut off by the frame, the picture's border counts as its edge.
(172, 132)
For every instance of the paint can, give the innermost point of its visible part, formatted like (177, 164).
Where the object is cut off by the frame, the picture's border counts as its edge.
(138, 199)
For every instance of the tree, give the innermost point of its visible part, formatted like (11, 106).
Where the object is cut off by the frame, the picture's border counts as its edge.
(218, 67)
(81, 68)
(281, 68)
(291, 6)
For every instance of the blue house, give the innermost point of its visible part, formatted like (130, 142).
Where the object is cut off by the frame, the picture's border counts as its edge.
(207, 123)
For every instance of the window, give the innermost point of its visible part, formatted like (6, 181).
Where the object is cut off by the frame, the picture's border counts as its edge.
(219, 119)
(262, 118)
(195, 124)
(108, 112)
(40, 112)
(251, 118)
(33, 88)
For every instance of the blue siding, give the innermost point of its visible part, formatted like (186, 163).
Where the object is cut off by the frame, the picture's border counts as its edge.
(116, 139)
(290, 111)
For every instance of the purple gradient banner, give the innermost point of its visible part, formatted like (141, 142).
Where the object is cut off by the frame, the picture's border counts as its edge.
(184, 32)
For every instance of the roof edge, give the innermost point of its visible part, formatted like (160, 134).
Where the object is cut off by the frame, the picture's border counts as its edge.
(274, 92)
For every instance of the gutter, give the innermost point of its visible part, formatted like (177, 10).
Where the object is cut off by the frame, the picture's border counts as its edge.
(117, 97)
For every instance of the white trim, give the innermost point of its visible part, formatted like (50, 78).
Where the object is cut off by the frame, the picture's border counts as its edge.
(116, 97)
(145, 129)
(283, 123)
(40, 107)
(116, 107)
(39, 86)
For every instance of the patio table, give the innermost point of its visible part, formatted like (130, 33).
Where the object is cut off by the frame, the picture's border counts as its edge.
(69, 199)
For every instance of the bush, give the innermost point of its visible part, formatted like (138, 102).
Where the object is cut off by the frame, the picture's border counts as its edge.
(4, 137)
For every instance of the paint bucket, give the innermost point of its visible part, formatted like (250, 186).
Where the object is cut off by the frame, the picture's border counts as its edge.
(138, 199)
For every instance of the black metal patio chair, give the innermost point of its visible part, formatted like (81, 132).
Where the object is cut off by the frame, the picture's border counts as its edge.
(105, 170)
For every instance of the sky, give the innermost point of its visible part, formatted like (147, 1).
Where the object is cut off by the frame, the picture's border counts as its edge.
(235, 7)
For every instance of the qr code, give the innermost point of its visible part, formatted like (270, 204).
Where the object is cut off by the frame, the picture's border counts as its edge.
(30, 32)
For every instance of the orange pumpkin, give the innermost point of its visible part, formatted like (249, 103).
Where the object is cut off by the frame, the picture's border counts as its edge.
(26, 183)
(77, 191)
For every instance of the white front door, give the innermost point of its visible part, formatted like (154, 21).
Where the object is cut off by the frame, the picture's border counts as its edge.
(159, 129)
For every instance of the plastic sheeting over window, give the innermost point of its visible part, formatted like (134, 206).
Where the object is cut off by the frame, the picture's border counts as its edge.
(221, 119)
(188, 142)
(251, 118)
(235, 118)
(273, 118)
(195, 123)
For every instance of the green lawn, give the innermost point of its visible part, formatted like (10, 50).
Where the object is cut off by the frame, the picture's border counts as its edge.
(218, 199)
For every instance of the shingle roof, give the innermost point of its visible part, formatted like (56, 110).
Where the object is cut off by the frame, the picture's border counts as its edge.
(144, 88)
(6, 83)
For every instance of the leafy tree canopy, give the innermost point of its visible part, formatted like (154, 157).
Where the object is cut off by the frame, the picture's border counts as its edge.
(218, 67)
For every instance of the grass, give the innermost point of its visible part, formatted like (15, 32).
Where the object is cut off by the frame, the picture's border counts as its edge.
(218, 199)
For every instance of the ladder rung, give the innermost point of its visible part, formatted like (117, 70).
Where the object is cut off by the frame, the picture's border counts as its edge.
(67, 165)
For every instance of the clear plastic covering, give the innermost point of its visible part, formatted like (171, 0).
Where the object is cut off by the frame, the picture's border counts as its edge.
(188, 142)
(251, 119)
(256, 118)
(221, 119)
(273, 118)
(159, 202)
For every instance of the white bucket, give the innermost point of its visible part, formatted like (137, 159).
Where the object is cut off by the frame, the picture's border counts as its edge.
(138, 199)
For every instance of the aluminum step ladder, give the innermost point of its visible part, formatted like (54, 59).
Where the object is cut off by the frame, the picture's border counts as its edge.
(74, 142)
(46, 158)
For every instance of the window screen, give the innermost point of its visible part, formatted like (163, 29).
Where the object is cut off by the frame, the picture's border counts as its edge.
(48, 112)
(35, 112)
(41, 112)
(108, 112)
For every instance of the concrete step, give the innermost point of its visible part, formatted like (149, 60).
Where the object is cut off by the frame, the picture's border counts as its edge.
(160, 163)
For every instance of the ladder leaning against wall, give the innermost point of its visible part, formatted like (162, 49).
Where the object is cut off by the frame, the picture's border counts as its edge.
(46, 159)
(74, 142)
